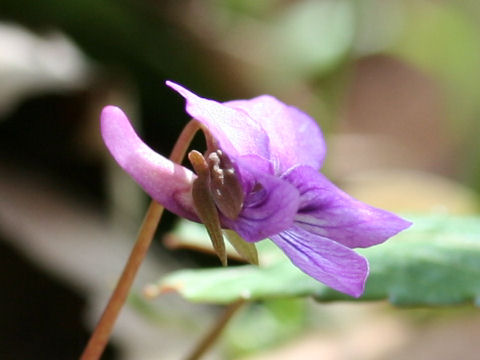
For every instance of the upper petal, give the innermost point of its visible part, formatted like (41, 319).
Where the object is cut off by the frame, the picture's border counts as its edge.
(328, 211)
(270, 205)
(325, 260)
(166, 182)
(236, 133)
(295, 138)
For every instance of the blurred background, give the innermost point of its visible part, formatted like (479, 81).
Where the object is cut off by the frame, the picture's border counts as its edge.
(394, 85)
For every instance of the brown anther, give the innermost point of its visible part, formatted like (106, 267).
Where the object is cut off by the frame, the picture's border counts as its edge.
(205, 204)
(225, 187)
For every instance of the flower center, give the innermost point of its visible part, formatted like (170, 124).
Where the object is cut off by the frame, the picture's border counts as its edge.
(215, 189)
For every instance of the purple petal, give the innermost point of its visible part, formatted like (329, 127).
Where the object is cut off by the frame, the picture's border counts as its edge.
(325, 260)
(250, 167)
(270, 206)
(327, 211)
(166, 182)
(236, 133)
(295, 138)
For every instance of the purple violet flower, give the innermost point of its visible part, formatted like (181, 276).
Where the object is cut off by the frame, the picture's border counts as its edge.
(272, 154)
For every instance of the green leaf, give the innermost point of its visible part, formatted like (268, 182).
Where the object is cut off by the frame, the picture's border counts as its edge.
(436, 262)
(260, 326)
(312, 37)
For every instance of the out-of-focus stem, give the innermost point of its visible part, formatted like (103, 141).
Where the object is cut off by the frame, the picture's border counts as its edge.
(212, 336)
(99, 339)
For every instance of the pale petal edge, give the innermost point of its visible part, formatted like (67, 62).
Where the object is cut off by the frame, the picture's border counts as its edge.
(295, 137)
(235, 132)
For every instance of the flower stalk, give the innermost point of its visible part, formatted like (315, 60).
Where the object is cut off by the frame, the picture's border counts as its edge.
(99, 338)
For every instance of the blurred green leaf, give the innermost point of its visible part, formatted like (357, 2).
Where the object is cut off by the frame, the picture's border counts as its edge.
(260, 326)
(312, 37)
(240, 8)
(436, 262)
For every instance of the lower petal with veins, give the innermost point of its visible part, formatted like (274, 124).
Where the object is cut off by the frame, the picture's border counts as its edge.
(325, 260)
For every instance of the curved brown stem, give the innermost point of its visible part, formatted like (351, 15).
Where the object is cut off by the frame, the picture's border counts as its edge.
(99, 339)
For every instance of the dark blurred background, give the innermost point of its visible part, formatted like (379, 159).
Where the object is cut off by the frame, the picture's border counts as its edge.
(393, 84)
